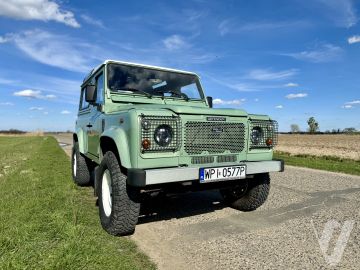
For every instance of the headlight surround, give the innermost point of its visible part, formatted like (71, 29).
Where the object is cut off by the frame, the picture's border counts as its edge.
(263, 134)
(256, 135)
(159, 133)
(163, 135)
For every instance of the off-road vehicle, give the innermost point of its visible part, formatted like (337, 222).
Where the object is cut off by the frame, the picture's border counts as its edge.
(143, 128)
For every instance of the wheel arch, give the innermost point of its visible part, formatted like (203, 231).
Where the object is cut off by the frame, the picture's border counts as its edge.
(78, 136)
(116, 141)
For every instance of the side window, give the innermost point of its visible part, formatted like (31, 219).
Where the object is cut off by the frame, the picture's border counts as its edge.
(83, 103)
(100, 89)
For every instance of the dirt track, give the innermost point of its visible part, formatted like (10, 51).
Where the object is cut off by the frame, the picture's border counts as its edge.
(197, 231)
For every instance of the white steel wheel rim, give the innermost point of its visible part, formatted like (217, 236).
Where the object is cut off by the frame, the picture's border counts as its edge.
(74, 164)
(106, 193)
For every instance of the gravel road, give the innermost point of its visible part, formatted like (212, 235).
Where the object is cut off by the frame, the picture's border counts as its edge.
(197, 231)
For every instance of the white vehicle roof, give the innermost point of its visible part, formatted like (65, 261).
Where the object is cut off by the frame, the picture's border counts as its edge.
(149, 66)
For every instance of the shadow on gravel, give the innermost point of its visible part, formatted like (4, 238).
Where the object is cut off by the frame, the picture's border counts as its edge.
(165, 207)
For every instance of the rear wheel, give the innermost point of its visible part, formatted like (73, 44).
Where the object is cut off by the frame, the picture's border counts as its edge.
(249, 196)
(81, 167)
(119, 206)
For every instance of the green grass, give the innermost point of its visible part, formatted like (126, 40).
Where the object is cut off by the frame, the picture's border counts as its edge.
(46, 222)
(328, 163)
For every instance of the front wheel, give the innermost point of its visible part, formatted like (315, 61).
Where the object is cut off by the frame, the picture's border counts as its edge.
(81, 167)
(250, 196)
(118, 203)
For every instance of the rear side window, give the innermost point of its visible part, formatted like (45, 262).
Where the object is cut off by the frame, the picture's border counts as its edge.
(83, 103)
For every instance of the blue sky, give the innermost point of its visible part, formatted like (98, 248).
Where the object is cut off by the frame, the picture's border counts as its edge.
(289, 59)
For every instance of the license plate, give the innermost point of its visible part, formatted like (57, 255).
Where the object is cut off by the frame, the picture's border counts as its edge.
(222, 173)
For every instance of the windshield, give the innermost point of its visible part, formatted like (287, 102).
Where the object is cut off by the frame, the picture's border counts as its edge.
(152, 82)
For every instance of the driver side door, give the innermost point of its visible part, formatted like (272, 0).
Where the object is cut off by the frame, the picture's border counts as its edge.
(95, 121)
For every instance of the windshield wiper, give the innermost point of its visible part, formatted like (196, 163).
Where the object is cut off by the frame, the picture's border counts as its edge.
(134, 90)
(181, 95)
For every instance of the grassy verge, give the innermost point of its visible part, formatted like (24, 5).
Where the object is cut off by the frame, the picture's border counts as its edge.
(46, 222)
(328, 163)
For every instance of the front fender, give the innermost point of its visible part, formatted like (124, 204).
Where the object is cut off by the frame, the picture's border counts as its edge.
(118, 135)
(81, 140)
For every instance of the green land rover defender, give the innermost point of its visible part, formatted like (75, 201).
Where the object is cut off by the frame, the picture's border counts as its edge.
(142, 129)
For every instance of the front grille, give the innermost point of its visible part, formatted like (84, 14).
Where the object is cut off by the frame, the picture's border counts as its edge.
(227, 158)
(173, 121)
(269, 130)
(202, 160)
(214, 137)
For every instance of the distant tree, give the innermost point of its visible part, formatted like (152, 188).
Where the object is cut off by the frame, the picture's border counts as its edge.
(294, 128)
(313, 125)
(349, 130)
(327, 131)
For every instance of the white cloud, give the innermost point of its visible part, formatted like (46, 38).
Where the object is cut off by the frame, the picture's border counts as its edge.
(290, 84)
(57, 50)
(7, 104)
(299, 95)
(175, 42)
(342, 12)
(7, 81)
(326, 53)
(225, 27)
(354, 39)
(65, 112)
(256, 99)
(279, 106)
(43, 10)
(232, 26)
(233, 83)
(36, 108)
(268, 75)
(351, 104)
(45, 113)
(5, 39)
(28, 93)
(92, 21)
(234, 102)
(355, 102)
(51, 96)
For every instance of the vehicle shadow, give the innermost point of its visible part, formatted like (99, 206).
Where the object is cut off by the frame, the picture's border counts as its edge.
(165, 207)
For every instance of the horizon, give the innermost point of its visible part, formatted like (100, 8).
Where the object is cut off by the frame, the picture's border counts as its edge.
(287, 59)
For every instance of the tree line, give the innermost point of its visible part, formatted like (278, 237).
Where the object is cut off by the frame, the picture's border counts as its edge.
(314, 127)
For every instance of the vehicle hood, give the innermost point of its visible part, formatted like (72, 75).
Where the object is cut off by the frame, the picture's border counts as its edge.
(204, 111)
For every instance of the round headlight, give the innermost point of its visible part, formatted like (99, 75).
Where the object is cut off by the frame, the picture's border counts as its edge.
(163, 135)
(146, 124)
(256, 135)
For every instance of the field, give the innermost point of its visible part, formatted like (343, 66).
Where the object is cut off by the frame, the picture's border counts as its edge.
(341, 146)
(336, 153)
(46, 222)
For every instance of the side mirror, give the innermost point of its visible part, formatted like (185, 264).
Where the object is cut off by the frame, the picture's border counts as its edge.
(210, 101)
(90, 93)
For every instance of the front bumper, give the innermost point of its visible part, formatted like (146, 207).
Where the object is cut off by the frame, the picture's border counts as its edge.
(142, 178)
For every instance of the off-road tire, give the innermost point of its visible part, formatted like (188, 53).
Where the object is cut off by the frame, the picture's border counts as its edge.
(125, 201)
(82, 176)
(255, 195)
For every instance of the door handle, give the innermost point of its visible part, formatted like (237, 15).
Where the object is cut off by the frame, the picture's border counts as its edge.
(89, 125)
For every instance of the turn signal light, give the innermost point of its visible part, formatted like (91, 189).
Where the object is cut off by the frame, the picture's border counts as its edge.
(269, 142)
(146, 144)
